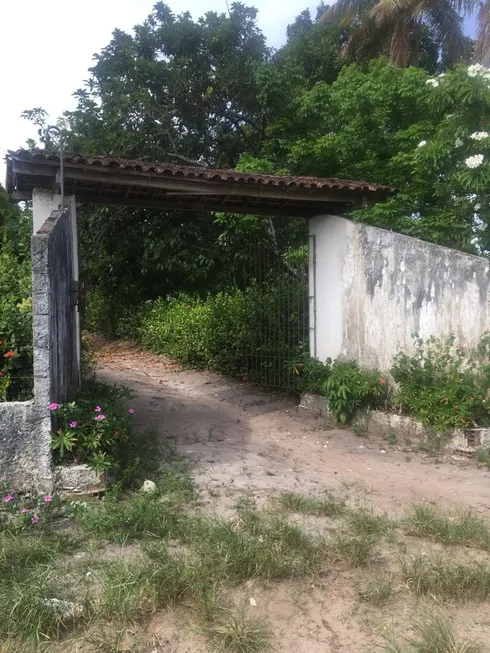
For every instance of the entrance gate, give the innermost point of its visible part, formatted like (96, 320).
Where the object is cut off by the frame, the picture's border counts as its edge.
(276, 306)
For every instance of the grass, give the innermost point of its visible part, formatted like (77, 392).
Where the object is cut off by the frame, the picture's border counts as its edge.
(255, 545)
(34, 603)
(377, 592)
(354, 544)
(443, 578)
(130, 590)
(326, 505)
(463, 528)
(233, 632)
(434, 634)
(141, 515)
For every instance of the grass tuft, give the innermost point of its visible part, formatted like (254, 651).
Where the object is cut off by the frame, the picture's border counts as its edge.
(463, 528)
(255, 545)
(377, 592)
(141, 515)
(443, 578)
(131, 590)
(436, 634)
(326, 505)
(355, 543)
(233, 632)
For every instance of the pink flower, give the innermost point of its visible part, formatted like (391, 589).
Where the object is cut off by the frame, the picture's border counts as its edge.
(48, 498)
(35, 519)
(74, 424)
(131, 411)
(24, 510)
(8, 498)
(98, 409)
(99, 417)
(53, 406)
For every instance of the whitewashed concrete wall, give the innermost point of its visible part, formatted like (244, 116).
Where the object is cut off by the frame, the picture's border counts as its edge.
(374, 288)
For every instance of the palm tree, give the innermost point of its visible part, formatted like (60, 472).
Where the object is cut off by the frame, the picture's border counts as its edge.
(482, 46)
(394, 26)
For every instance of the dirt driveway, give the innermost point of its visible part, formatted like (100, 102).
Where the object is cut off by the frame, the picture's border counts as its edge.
(244, 439)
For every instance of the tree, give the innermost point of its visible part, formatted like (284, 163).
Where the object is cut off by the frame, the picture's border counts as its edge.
(424, 136)
(397, 27)
(482, 46)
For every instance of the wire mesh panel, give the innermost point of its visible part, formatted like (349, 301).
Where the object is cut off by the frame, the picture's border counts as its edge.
(276, 300)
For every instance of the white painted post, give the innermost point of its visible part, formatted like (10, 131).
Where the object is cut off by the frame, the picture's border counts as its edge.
(43, 204)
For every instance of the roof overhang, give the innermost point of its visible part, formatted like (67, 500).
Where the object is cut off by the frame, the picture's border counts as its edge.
(111, 180)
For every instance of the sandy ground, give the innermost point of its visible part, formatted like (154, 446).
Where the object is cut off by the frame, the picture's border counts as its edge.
(241, 439)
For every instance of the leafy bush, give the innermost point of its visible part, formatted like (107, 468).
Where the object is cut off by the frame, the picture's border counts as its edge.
(93, 428)
(310, 374)
(19, 512)
(203, 333)
(349, 387)
(16, 376)
(444, 385)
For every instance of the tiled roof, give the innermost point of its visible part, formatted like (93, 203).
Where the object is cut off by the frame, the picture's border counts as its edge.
(197, 173)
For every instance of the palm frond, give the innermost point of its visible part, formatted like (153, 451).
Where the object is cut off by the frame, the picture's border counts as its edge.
(387, 10)
(447, 25)
(341, 8)
(482, 46)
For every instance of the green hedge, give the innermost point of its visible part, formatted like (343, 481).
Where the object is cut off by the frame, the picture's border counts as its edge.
(207, 333)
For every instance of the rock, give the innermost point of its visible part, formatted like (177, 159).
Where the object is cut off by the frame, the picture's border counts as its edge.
(66, 609)
(149, 486)
(252, 602)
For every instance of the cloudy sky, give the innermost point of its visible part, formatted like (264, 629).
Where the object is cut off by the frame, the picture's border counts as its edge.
(46, 48)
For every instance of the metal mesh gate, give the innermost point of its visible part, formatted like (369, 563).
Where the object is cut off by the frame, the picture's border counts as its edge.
(276, 315)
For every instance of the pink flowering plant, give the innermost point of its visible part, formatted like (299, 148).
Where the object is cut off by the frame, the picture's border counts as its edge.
(92, 429)
(26, 510)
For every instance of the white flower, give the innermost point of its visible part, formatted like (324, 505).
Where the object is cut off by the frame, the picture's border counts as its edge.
(441, 74)
(432, 82)
(422, 143)
(474, 161)
(476, 69)
(477, 207)
(474, 240)
(479, 136)
(458, 142)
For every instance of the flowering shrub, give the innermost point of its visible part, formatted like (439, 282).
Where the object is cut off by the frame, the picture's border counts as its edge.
(89, 431)
(444, 385)
(15, 303)
(20, 512)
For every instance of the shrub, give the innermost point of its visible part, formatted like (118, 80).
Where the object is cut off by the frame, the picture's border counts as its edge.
(92, 428)
(444, 385)
(15, 304)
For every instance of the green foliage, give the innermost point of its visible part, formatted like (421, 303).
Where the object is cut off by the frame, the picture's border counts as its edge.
(443, 578)
(141, 515)
(464, 528)
(394, 126)
(204, 333)
(94, 428)
(444, 385)
(15, 303)
(349, 387)
(309, 374)
(26, 511)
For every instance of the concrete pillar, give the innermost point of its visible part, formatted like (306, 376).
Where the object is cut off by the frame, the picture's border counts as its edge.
(43, 204)
(329, 239)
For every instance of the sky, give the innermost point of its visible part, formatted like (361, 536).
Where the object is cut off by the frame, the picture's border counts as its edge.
(46, 49)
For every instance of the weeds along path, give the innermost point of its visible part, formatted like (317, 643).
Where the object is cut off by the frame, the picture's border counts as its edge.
(240, 438)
